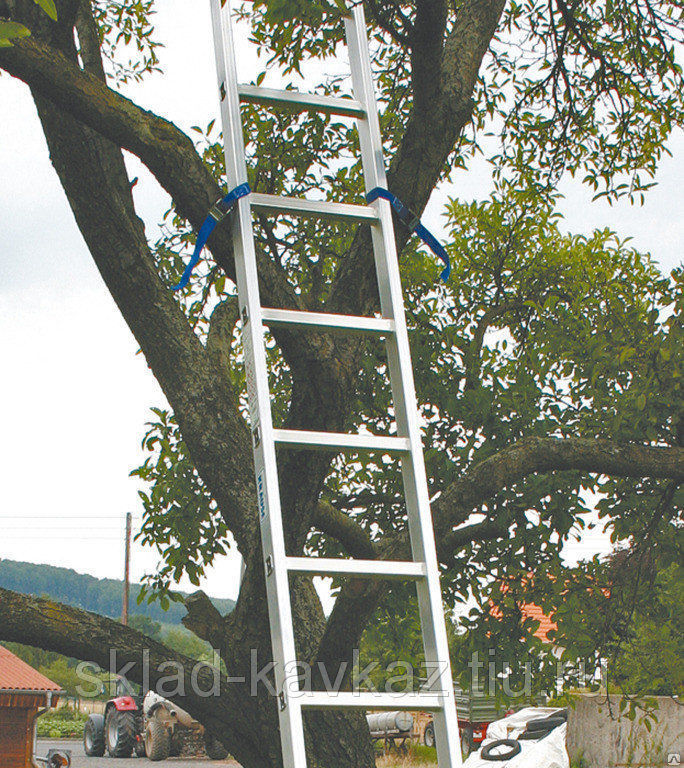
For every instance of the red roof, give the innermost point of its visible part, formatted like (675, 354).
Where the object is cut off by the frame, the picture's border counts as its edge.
(17, 675)
(546, 625)
(534, 612)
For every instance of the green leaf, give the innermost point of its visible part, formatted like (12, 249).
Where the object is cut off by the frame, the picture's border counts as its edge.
(49, 7)
(11, 30)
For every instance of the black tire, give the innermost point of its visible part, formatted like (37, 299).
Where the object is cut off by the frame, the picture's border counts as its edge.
(544, 724)
(157, 741)
(119, 733)
(429, 735)
(514, 749)
(94, 736)
(214, 748)
(467, 742)
(533, 735)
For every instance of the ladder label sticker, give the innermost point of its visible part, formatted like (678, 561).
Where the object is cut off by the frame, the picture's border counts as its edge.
(252, 402)
(261, 495)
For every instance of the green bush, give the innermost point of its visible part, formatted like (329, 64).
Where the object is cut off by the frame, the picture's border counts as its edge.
(61, 723)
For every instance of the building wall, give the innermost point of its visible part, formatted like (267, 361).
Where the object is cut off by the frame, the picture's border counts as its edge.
(16, 737)
(599, 736)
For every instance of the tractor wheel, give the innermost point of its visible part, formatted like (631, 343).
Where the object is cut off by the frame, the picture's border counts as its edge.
(214, 749)
(157, 741)
(120, 733)
(94, 736)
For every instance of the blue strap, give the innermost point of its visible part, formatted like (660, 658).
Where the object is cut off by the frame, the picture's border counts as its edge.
(409, 218)
(218, 212)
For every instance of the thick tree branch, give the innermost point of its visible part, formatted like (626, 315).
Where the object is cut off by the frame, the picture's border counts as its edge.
(204, 619)
(357, 600)
(89, 41)
(536, 455)
(89, 637)
(162, 146)
(427, 46)
(346, 531)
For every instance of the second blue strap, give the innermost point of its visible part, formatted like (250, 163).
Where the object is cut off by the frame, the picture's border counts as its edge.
(414, 224)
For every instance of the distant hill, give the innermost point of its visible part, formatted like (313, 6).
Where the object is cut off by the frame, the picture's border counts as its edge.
(80, 590)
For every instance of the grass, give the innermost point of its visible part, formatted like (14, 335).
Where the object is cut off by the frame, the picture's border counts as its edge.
(418, 756)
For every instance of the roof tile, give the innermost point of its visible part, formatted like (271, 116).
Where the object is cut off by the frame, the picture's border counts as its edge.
(17, 675)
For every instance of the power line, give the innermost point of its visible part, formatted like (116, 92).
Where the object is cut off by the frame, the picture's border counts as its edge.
(68, 517)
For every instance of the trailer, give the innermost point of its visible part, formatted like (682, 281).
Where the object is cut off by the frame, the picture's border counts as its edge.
(475, 712)
(393, 728)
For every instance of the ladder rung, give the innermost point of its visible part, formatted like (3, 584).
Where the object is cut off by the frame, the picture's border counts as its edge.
(330, 566)
(318, 208)
(300, 438)
(368, 700)
(327, 322)
(305, 102)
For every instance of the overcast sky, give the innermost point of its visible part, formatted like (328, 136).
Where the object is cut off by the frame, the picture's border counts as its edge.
(75, 394)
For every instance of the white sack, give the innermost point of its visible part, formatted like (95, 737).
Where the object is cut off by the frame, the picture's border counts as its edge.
(550, 752)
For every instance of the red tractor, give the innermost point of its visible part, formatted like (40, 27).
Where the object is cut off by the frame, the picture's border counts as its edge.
(119, 732)
(145, 725)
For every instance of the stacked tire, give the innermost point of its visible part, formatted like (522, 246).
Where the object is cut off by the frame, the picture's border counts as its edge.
(535, 730)
(542, 727)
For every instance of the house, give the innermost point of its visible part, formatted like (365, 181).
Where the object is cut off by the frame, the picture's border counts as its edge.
(546, 624)
(528, 611)
(24, 694)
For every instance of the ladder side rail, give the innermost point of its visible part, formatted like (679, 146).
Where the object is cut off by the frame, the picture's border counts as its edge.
(273, 541)
(403, 389)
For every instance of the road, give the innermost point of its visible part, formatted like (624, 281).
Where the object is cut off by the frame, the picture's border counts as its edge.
(79, 760)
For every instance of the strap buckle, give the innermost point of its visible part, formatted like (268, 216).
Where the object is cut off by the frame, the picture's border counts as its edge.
(219, 211)
(413, 222)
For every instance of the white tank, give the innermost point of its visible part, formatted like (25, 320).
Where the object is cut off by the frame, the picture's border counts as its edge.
(390, 722)
(173, 710)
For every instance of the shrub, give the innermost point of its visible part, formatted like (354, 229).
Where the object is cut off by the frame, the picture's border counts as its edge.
(63, 723)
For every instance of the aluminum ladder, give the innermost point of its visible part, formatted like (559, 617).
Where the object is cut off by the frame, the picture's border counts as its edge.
(438, 696)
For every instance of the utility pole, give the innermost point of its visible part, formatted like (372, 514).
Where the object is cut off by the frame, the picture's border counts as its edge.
(127, 569)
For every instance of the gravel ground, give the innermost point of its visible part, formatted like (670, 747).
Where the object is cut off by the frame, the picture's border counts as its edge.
(79, 760)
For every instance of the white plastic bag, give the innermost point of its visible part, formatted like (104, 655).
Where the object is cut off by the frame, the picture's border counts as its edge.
(549, 752)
